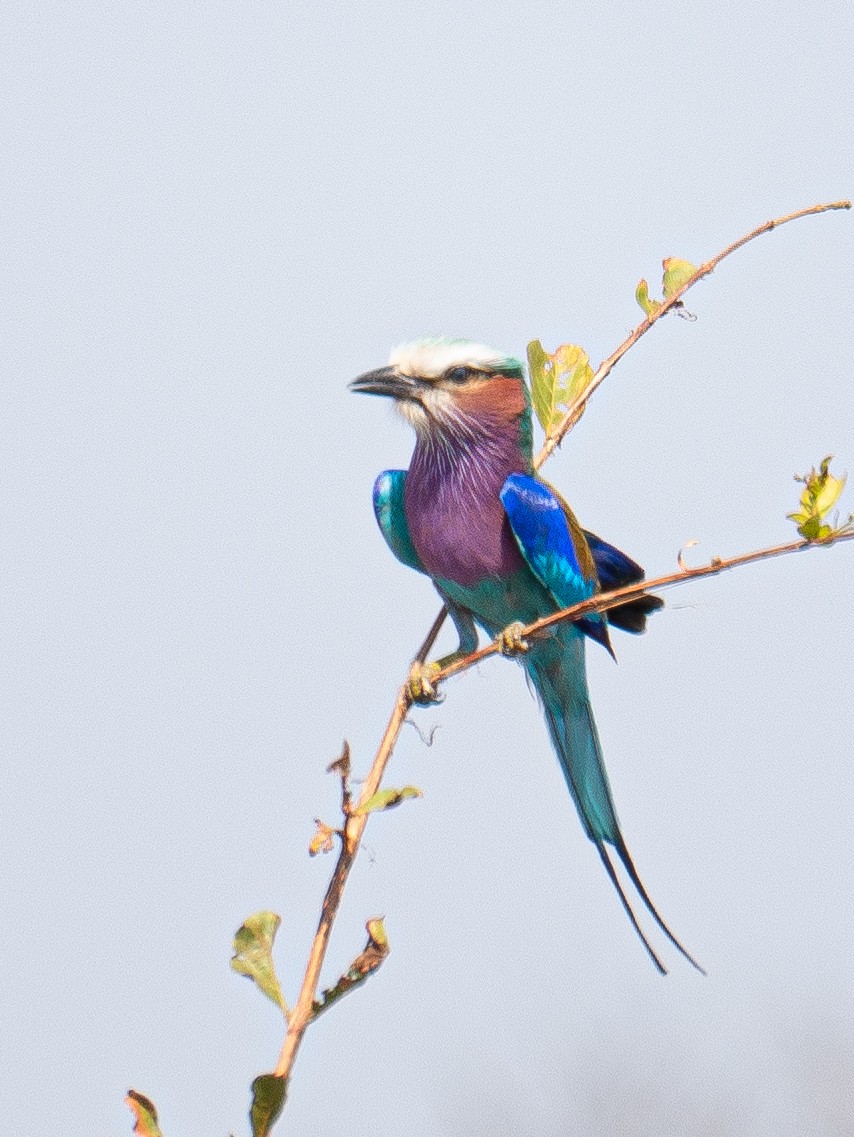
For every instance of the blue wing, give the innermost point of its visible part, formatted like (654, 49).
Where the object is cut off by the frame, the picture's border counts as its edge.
(542, 532)
(561, 560)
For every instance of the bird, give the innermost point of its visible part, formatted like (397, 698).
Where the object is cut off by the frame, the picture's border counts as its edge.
(503, 549)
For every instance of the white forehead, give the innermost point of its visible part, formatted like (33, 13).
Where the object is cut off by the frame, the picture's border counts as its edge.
(432, 358)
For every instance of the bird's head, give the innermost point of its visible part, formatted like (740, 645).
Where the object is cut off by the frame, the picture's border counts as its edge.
(453, 387)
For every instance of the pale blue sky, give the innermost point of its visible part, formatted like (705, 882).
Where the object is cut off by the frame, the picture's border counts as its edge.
(215, 215)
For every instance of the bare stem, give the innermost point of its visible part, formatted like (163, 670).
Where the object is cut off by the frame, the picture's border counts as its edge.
(354, 827)
(432, 635)
(604, 600)
(607, 366)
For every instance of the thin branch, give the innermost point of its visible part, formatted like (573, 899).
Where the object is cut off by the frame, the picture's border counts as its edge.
(354, 822)
(431, 636)
(608, 365)
(354, 827)
(602, 601)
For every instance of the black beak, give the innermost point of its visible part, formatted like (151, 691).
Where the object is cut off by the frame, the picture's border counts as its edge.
(386, 381)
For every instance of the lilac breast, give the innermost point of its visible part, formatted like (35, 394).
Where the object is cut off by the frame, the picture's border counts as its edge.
(455, 516)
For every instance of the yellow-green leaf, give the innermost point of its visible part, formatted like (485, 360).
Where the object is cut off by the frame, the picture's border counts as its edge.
(557, 382)
(820, 493)
(676, 273)
(648, 306)
(828, 494)
(268, 1098)
(388, 799)
(253, 947)
(377, 934)
(145, 1115)
(540, 377)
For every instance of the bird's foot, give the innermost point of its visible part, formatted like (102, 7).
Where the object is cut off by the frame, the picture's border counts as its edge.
(511, 641)
(422, 683)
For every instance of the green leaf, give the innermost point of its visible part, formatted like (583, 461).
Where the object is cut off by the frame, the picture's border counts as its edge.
(388, 799)
(557, 381)
(145, 1115)
(377, 935)
(253, 945)
(540, 382)
(649, 307)
(365, 964)
(268, 1098)
(676, 273)
(820, 494)
(828, 494)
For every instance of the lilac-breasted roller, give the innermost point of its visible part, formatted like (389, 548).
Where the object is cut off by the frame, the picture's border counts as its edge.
(502, 547)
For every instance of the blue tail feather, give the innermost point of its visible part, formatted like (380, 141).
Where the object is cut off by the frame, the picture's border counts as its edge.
(557, 670)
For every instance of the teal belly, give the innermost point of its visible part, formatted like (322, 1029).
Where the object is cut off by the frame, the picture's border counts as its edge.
(496, 602)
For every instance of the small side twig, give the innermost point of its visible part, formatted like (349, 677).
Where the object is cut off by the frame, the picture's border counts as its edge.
(432, 636)
(354, 826)
(673, 301)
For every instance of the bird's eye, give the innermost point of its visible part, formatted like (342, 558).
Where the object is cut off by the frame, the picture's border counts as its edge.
(458, 374)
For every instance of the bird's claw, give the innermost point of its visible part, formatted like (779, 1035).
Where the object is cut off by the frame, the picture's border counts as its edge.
(511, 641)
(422, 683)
